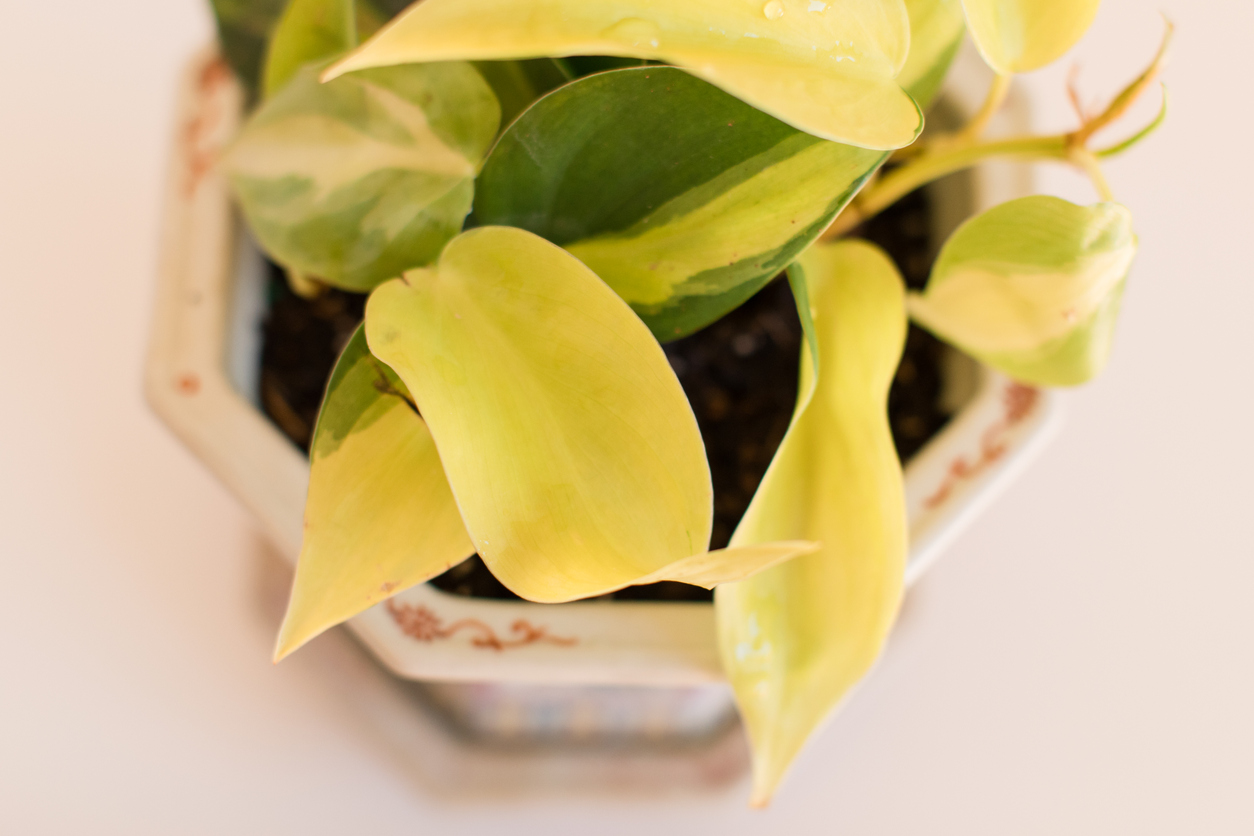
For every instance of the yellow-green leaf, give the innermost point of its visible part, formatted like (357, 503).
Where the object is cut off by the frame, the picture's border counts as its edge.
(355, 181)
(797, 638)
(569, 444)
(826, 67)
(936, 28)
(1018, 36)
(380, 516)
(1032, 287)
(309, 30)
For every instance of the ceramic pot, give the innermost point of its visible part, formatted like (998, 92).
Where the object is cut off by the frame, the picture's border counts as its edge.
(202, 372)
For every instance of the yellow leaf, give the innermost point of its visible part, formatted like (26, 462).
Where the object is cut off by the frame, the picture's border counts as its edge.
(797, 638)
(1018, 36)
(569, 444)
(379, 517)
(826, 68)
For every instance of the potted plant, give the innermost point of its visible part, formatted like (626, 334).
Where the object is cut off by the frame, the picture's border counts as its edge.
(536, 195)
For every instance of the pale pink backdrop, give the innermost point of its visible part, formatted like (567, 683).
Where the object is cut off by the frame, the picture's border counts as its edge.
(1081, 663)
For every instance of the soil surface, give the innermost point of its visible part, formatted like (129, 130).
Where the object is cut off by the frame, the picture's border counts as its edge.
(740, 375)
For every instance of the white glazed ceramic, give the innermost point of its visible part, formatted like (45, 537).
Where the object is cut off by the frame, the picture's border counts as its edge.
(203, 355)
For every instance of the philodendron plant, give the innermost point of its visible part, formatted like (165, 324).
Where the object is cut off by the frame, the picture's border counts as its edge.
(537, 193)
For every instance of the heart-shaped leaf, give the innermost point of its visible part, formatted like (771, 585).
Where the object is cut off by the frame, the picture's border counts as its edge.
(572, 450)
(309, 30)
(355, 181)
(795, 639)
(1018, 36)
(380, 516)
(1032, 287)
(682, 198)
(826, 68)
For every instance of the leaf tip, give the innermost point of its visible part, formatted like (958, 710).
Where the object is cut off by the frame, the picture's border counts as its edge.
(337, 69)
(294, 634)
(765, 784)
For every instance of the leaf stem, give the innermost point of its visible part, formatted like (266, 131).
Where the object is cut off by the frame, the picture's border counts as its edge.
(1087, 160)
(948, 154)
(302, 285)
(932, 165)
(992, 103)
(1120, 147)
(1120, 104)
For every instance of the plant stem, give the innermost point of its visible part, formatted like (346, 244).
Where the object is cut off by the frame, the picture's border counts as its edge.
(992, 103)
(1087, 160)
(302, 285)
(1120, 104)
(948, 154)
(932, 165)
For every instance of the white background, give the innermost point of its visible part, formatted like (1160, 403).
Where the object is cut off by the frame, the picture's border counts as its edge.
(1080, 663)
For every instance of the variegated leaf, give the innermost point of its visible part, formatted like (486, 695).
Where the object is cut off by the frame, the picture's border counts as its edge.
(380, 516)
(310, 30)
(1018, 36)
(682, 198)
(1032, 287)
(355, 181)
(797, 638)
(826, 68)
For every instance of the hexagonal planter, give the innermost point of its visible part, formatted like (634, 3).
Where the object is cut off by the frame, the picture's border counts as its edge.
(201, 376)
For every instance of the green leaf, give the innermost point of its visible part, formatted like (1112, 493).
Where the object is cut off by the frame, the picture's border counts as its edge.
(682, 198)
(936, 29)
(797, 638)
(355, 181)
(1018, 36)
(310, 30)
(1032, 288)
(826, 68)
(570, 446)
(380, 516)
(244, 28)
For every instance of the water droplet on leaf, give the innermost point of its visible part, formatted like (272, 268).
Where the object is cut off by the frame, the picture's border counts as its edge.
(773, 10)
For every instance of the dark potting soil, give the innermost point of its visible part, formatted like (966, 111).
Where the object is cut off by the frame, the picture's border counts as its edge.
(740, 375)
